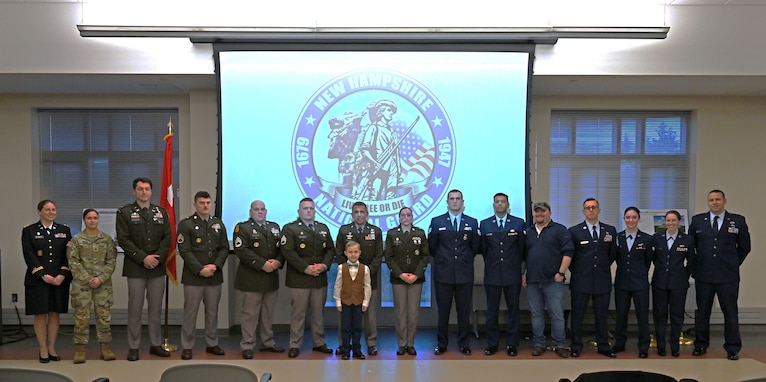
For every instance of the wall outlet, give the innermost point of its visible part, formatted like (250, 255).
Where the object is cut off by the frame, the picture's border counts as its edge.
(14, 297)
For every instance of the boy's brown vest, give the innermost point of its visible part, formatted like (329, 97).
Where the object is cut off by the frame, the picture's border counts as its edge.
(352, 291)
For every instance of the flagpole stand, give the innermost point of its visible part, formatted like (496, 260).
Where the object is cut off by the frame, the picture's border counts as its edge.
(168, 346)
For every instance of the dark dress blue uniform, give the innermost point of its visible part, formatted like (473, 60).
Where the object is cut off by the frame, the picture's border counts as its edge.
(503, 249)
(453, 252)
(632, 282)
(670, 282)
(592, 278)
(715, 269)
(45, 254)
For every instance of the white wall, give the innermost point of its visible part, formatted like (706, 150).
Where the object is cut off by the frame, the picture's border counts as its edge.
(727, 133)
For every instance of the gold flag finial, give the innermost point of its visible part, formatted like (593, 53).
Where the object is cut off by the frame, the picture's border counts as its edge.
(170, 126)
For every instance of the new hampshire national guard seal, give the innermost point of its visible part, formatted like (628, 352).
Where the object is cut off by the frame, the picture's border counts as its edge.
(376, 136)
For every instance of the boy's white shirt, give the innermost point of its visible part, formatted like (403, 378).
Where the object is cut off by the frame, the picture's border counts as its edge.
(353, 272)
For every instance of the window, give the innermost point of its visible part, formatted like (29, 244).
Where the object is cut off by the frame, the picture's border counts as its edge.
(620, 158)
(89, 158)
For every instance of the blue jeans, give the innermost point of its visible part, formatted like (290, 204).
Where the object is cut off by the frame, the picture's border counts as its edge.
(551, 295)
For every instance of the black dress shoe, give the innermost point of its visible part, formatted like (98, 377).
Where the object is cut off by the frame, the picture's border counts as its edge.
(401, 350)
(511, 351)
(439, 350)
(661, 352)
(699, 351)
(159, 351)
(411, 350)
(186, 354)
(247, 354)
(54, 358)
(561, 352)
(490, 350)
(216, 350)
(44, 359)
(293, 352)
(616, 349)
(338, 351)
(538, 351)
(345, 356)
(133, 355)
(322, 349)
(273, 349)
(643, 354)
(608, 353)
(465, 350)
(359, 355)
(675, 353)
(574, 353)
(372, 350)
(732, 356)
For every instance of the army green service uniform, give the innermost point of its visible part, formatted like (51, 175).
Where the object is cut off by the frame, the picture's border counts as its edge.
(254, 244)
(301, 247)
(201, 242)
(407, 252)
(89, 257)
(142, 232)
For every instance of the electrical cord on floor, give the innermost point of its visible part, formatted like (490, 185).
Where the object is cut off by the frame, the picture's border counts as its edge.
(14, 334)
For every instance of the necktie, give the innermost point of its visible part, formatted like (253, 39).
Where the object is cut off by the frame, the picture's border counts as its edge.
(311, 226)
(715, 224)
(595, 233)
(630, 242)
(355, 265)
(454, 224)
(501, 224)
(358, 229)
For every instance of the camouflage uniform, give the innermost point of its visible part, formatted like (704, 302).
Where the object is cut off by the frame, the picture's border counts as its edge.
(92, 257)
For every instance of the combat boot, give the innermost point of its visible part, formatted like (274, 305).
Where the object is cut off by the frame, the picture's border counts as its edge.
(79, 353)
(106, 353)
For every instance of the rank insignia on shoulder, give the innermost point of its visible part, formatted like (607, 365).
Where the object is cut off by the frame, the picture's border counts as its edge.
(180, 238)
(238, 242)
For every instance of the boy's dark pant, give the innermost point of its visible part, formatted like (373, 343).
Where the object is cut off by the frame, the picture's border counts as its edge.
(351, 327)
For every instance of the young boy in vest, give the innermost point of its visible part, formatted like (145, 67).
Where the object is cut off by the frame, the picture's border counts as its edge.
(352, 296)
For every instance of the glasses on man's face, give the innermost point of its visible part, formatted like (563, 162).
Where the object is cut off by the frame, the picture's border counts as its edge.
(590, 208)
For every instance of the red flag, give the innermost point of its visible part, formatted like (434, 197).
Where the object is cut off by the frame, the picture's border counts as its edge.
(166, 201)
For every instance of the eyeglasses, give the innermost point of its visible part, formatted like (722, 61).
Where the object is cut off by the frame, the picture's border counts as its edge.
(590, 208)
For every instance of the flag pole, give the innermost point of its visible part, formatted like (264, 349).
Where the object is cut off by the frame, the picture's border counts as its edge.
(167, 202)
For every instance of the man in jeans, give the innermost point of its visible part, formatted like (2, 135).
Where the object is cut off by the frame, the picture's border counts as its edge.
(549, 250)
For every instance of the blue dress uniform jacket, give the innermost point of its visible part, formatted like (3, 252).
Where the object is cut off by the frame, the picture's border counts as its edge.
(302, 247)
(453, 251)
(45, 252)
(633, 264)
(671, 265)
(370, 242)
(254, 245)
(719, 256)
(591, 262)
(503, 250)
(201, 243)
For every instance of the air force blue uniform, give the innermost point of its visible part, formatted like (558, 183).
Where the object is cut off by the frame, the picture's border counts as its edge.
(632, 282)
(670, 282)
(592, 278)
(502, 246)
(715, 269)
(453, 251)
